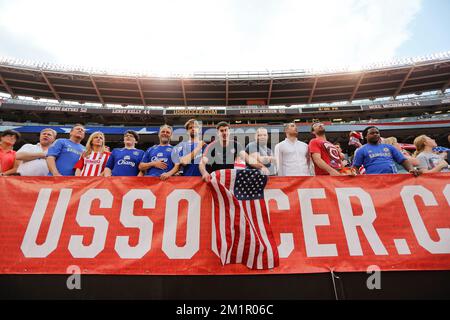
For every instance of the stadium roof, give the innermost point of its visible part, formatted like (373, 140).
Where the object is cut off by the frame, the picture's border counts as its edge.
(227, 88)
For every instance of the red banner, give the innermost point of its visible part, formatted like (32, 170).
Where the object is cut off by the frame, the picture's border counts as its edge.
(146, 226)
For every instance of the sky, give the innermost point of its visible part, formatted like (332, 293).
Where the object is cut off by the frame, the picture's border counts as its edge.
(179, 36)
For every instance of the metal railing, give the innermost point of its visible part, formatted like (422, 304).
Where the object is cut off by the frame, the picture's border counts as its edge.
(424, 97)
(399, 63)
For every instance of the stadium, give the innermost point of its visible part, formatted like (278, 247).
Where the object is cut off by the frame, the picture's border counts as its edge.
(229, 157)
(403, 99)
(398, 97)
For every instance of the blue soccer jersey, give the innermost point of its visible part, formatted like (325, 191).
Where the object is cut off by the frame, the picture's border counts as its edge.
(125, 162)
(66, 153)
(183, 149)
(378, 159)
(158, 153)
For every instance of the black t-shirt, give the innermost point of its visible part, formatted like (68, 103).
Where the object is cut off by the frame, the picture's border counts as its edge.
(222, 157)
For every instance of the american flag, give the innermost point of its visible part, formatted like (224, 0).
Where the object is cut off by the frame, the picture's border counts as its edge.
(241, 221)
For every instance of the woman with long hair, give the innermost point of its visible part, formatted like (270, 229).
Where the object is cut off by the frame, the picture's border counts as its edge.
(429, 162)
(93, 161)
(394, 142)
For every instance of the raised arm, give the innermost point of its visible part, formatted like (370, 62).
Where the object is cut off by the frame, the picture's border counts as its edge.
(29, 156)
(187, 159)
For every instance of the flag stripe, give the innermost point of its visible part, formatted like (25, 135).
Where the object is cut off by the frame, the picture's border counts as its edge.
(268, 255)
(253, 246)
(247, 238)
(239, 223)
(262, 254)
(229, 218)
(219, 212)
(269, 234)
(213, 225)
(225, 215)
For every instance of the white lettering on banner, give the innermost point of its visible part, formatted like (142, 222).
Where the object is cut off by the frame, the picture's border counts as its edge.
(99, 223)
(311, 221)
(192, 245)
(29, 247)
(365, 221)
(286, 246)
(408, 194)
(144, 224)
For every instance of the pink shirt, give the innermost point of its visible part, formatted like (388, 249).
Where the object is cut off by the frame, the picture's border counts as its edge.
(7, 159)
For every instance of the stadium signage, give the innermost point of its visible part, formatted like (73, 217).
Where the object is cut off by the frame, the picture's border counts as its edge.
(131, 225)
(263, 111)
(200, 112)
(49, 108)
(330, 109)
(394, 105)
(130, 111)
(65, 109)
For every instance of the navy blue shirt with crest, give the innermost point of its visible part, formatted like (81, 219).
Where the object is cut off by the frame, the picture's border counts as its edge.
(159, 153)
(125, 162)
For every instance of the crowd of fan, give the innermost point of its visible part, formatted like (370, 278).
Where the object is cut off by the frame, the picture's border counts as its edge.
(369, 153)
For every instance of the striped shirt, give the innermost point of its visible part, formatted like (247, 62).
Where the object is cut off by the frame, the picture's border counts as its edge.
(93, 165)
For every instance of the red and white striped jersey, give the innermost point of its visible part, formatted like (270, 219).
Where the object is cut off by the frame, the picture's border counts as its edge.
(93, 165)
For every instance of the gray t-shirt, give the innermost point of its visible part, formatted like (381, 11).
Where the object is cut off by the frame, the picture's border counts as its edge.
(429, 161)
(263, 151)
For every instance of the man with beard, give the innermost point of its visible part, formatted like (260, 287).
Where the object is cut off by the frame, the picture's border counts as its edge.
(64, 153)
(326, 157)
(32, 156)
(124, 162)
(292, 155)
(189, 153)
(380, 158)
(157, 161)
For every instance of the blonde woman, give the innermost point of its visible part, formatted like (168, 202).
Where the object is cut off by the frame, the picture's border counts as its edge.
(429, 162)
(394, 142)
(93, 161)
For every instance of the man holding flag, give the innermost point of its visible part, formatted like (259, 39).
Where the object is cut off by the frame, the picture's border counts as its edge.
(223, 153)
(240, 218)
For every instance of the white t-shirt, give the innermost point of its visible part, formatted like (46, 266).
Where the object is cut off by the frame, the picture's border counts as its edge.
(293, 158)
(429, 160)
(36, 167)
